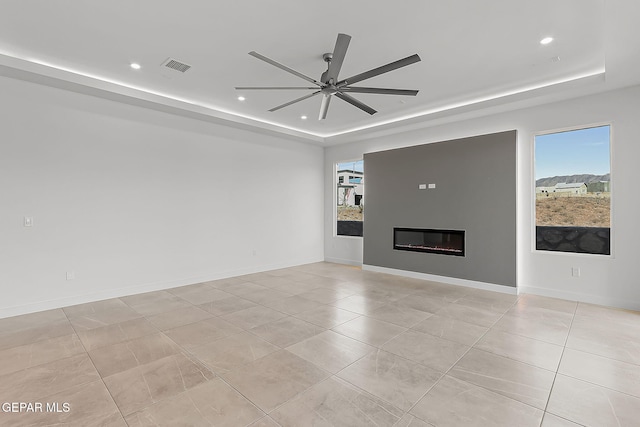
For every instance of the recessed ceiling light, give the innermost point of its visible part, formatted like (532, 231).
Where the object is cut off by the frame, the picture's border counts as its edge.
(546, 40)
(241, 98)
(303, 117)
(135, 66)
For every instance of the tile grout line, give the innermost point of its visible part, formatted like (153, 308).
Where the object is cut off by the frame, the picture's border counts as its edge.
(592, 354)
(96, 369)
(604, 357)
(532, 338)
(157, 331)
(460, 358)
(332, 375)
(559, 363)
(223, 380)
(267, 414)
(409, 360)
(190, 355)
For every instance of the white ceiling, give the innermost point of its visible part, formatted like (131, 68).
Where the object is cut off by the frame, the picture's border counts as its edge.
(472, 51)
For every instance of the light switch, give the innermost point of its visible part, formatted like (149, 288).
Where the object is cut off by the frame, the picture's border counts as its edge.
(28, 221)
(432, 186)
(422, 186)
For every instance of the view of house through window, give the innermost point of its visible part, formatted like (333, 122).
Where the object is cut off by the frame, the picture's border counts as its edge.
(349, 198)
(573, 191)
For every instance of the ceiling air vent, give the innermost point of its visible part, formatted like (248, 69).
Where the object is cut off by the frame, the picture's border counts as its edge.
(176, 65)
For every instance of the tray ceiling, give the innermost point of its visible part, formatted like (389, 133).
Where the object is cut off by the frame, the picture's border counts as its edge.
(471, 52)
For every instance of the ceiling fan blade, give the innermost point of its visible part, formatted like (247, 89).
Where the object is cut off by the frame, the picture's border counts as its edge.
(324, 107)
(302, 98)
(380, 70)
(339, 52)
(273, 87)
(381, 91)
(351, 100)
(284, 67)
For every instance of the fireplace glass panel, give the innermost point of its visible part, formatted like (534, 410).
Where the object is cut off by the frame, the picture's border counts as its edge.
(446, 242)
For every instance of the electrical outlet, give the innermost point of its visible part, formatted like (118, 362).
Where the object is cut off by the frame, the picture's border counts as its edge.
(575, 271)
(71, 275)
(28, 221)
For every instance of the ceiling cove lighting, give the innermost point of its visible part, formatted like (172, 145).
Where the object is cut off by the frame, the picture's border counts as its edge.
(214, 108)
(447, 107)
(167, 96)
(135, 66)
(241, 98)
(546, 40)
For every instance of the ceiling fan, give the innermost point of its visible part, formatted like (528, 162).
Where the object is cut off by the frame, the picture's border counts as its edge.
(329, 85)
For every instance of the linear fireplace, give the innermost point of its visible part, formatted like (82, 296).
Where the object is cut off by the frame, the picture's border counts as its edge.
(446, 242)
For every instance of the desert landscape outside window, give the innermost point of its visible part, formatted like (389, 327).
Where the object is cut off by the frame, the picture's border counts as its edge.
(573, 191)
(349, 198)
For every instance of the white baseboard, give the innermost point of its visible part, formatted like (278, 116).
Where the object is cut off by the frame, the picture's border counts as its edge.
(576, 296)
(139, 289)
(443, 279)
(343, 261)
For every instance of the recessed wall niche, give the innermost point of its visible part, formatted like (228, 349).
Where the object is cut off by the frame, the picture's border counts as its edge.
(464, 184)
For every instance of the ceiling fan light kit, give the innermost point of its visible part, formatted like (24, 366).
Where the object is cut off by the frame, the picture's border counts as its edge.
(329, 84)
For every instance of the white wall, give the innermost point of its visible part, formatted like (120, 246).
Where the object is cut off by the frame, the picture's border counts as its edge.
(604, 280)
(132, 199)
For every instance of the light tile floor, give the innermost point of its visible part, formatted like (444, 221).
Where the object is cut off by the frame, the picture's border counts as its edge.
(323, 344)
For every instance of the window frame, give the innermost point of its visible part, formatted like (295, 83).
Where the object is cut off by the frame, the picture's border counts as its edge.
(335, 197)
(532, 196)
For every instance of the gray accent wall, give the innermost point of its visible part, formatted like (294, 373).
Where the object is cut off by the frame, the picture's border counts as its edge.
(475, 190)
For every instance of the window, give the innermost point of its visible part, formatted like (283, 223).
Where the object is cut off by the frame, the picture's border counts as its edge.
(349, 198)
(573, 191)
